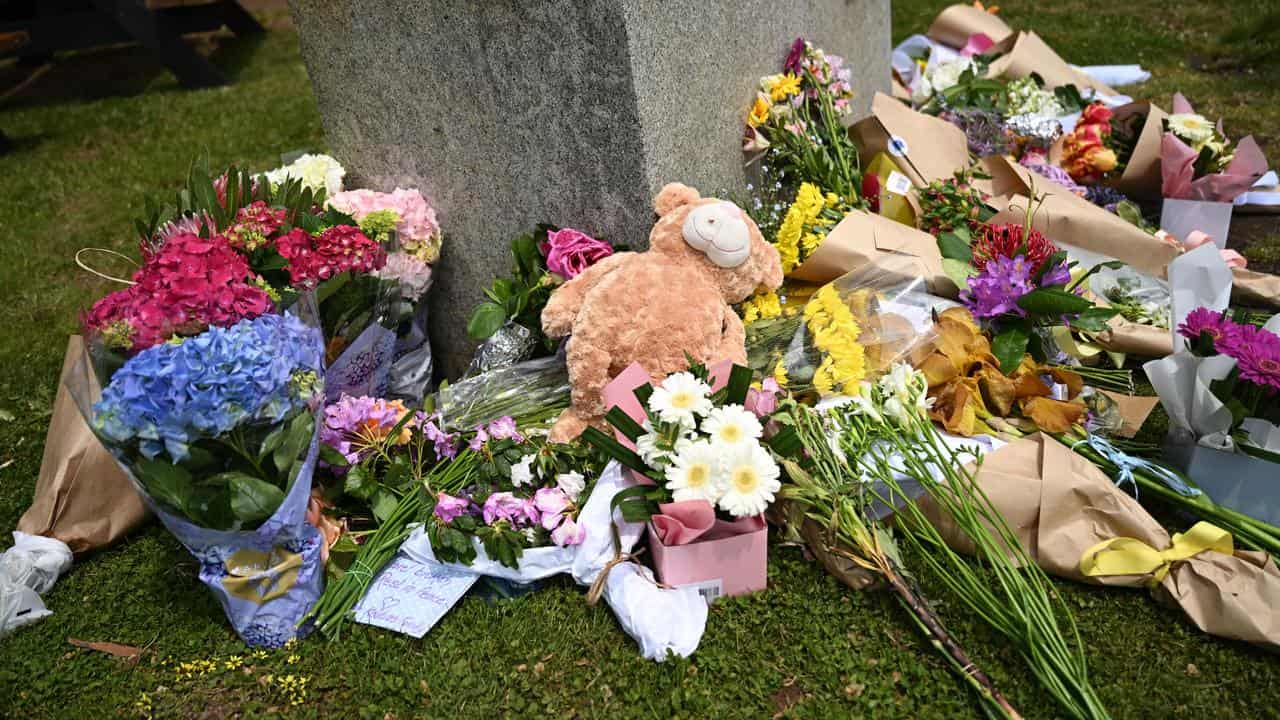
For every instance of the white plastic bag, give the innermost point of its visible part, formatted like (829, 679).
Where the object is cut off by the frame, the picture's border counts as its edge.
(659, 619)
(28, 570)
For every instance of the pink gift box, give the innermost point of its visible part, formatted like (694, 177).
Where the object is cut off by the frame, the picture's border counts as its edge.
(716, 563)
(719, 557)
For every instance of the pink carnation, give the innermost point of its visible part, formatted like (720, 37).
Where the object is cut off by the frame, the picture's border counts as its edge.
(314, 258)
(570, 251)
(185, 286)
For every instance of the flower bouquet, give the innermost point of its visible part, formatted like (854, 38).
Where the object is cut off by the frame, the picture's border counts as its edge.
(508, 322)
(1018, 283)
(401, 221)
(292, 243)
(848, 330)
(1202, 175)
(707, 479)
(217, 430)
(1220, 396)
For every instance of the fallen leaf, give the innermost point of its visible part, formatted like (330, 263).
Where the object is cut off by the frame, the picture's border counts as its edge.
(1192, 669)
(110, 648)
(854, 690)
(5, 415)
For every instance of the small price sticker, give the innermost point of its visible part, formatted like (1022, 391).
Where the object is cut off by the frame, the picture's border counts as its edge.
(710, 590)
(898, 183)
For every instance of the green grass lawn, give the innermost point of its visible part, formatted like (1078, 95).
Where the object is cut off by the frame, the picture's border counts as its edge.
(92, 142)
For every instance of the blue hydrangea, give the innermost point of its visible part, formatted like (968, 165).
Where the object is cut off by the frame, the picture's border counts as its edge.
(173, 394)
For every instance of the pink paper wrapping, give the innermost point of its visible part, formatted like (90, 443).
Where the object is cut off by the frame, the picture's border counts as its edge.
(1177, 167)
(689, 544)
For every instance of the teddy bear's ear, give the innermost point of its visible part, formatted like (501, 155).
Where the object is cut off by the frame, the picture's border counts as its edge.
(674, 195)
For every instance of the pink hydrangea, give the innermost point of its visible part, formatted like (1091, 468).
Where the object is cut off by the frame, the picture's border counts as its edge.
(410, 273)
(417, 220)
(341, 248)
(183, 287)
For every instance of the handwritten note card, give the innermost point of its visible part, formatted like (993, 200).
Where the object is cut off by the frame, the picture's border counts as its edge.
(410, 597)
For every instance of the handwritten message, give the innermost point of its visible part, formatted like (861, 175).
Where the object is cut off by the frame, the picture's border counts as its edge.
(410, 597)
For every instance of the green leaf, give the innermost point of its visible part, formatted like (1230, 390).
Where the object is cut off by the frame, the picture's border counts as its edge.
(166, 482)
(485, 320)
(1053, 302)
(958, 271)
(738, 385)
(253, 499)
(272, 441)
(296, 439)
(1094, 319)
(609, 445)
(384, 503)
(624, 423)
(1009, 347)
(954, 247)
(332, 457)
(359, 482)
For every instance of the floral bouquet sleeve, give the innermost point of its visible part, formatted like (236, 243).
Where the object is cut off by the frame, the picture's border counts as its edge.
(217, 430)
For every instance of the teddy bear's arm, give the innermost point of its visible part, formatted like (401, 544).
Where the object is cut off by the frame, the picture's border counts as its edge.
(733, 339)
(563, 305)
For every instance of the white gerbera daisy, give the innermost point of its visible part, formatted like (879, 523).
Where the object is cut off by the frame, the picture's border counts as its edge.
(1191, 127)
(751, 479)
(679, 398)
(732, 425)
(695, 473)
(523, 472)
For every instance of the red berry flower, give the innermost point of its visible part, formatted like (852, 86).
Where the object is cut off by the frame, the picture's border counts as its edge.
(313, 258)
(1006, 241)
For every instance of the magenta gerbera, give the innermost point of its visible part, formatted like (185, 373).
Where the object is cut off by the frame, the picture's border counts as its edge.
(1257, 355)
(1204, 320)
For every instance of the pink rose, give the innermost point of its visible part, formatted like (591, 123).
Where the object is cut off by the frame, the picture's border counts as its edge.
(570, 251)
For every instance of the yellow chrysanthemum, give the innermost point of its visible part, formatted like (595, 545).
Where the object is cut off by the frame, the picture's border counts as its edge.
(803, 212)
(835, 333)
(781, 87)
(761, 307)
(759, 111)
(780, 374)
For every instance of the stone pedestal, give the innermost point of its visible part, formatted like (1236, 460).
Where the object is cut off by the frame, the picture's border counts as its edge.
(507, 113)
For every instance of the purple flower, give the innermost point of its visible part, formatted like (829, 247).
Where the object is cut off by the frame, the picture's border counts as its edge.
(570, 251)
(504, 428)
(569, 533)
(477, 442)
(508, 507)
(995, 291)
(1257, 354)
(1057, 275)
(794, 56)
(446, 444)
(551, 503)
(449, 507)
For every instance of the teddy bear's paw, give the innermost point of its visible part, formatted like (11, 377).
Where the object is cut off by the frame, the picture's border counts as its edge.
(568, 427)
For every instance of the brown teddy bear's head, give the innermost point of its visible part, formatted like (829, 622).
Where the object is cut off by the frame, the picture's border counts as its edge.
(719, 236)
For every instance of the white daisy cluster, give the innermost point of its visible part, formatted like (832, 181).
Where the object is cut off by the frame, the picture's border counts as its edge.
(704, 452)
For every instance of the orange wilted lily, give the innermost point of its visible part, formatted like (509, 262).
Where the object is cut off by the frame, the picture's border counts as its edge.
(972, 396)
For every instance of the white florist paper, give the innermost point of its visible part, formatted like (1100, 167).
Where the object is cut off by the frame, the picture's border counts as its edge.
(410, 596)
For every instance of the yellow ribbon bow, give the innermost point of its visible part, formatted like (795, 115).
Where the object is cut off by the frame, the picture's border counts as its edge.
(1129, 556)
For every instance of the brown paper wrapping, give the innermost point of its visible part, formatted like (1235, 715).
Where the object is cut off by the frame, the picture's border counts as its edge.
(1133, 409)
(1131, 338)
(841, 568)
(1026, 53)
(1060, 505)
(863, 239)
(1255, 288)
(82, 497)
(956, 23)
(1069, 219)
(1141, 177)
(930, 148)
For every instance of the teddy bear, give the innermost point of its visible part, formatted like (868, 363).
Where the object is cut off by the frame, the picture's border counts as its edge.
(662, 306)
